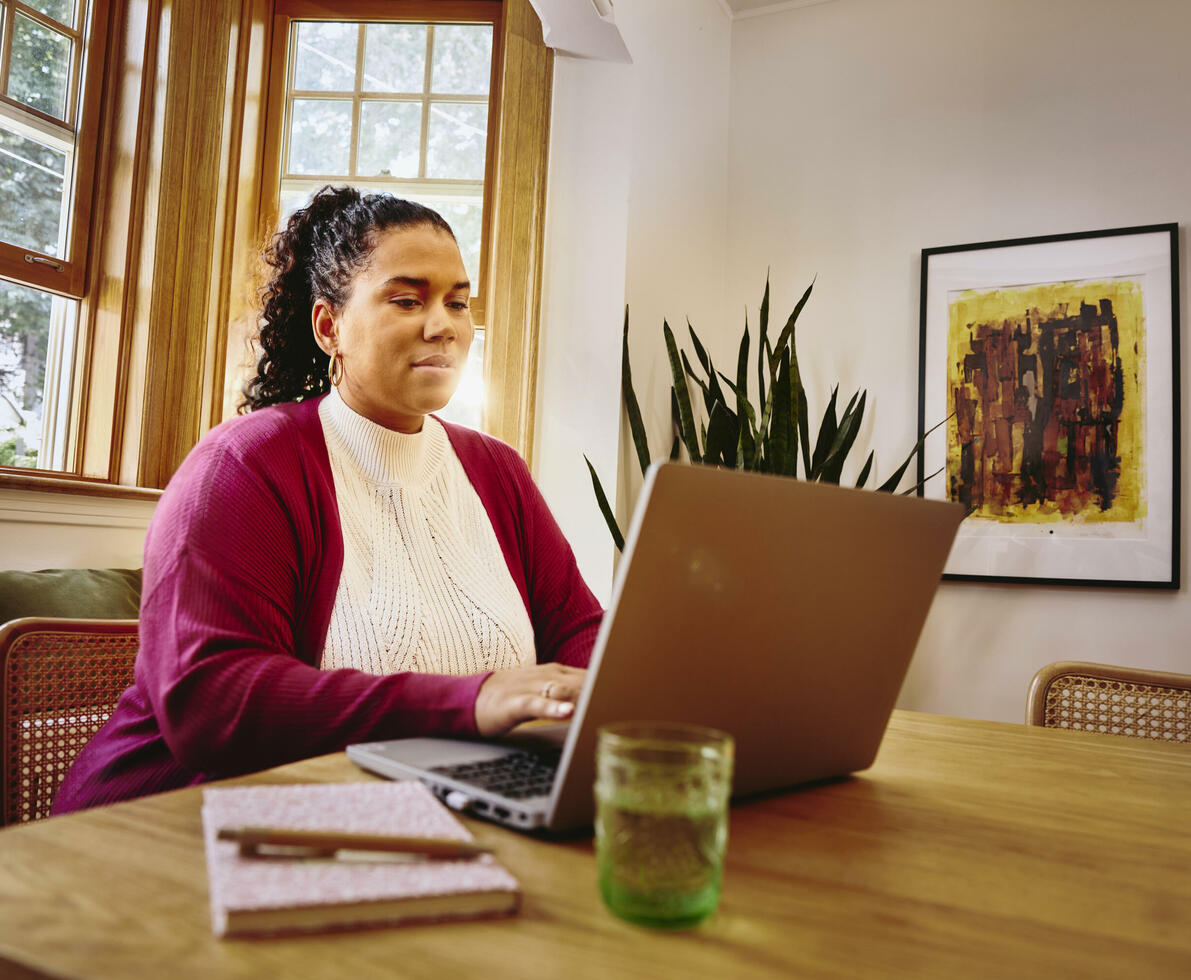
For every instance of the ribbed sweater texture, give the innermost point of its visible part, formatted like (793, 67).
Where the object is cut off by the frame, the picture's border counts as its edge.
(242, 567)
(424, 585)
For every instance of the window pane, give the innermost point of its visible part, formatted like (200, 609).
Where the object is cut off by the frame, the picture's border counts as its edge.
(39, 73)
(325, 59)
(464, 217)
(389, 137)
(32, 324)
(290, 200)
(320, 136)
(395, 58)
(60, 10)
(32, 182)
(462, 59)
(455, 140)
(467, 405)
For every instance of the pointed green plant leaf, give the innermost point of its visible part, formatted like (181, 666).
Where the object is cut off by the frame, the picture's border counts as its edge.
(794, 396)
(721, 437)
(804, 433)
(786, 337)
(781, 444)
(717, 393)
(674, 424)
(605, 507)
(748, 443)
(712, 392)
(831, 469)
(744, 410)
(749, 412)
(827, 430)
(764, 454)
(764, 314)
(747, 422)
(700, 352)
(868, 465)
(890, 485)
(724, 427)
(636, 426)
(709, 456)
(742, 365)
(845, 437)
(686, 366)
(798, 409)
(713, 384)
(686, 418)
(762, 343)
(918, 486)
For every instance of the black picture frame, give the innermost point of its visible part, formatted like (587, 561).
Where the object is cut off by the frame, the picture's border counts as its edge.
(1062, 433)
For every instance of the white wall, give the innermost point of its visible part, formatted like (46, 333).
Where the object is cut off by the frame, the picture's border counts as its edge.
(637, 214)
(866, 130)
(56, 530)
(582, 296)
(678, 218)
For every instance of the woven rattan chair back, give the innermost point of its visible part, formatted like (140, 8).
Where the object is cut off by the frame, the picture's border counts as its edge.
(59, 682)
(1115, 700)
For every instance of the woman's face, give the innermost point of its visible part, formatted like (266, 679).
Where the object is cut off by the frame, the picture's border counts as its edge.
(405, 330)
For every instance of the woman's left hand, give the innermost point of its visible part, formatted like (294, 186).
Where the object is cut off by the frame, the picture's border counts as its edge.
(509, 697)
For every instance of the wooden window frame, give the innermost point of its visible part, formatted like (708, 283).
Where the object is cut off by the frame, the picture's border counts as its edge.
(517, 232)
(66, 274)
(167, 288)
(175, 86)
(285, 12)
(507, 304)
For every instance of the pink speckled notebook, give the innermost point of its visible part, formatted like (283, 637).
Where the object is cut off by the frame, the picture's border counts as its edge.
(253, 895)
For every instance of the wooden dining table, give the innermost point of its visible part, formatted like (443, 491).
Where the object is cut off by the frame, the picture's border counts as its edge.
(969, 849)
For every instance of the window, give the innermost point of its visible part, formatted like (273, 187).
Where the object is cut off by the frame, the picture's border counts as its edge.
(50, 67)
(395, 106)
(128, 256)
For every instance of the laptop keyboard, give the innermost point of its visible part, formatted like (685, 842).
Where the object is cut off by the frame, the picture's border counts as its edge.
(518, 775)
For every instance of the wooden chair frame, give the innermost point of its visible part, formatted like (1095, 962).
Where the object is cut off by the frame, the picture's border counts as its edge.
(1131, 702)
(59, 683)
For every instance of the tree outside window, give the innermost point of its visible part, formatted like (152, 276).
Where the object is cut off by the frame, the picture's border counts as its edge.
(40, 88)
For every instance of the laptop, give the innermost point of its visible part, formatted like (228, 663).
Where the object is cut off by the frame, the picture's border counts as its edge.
(780, 611)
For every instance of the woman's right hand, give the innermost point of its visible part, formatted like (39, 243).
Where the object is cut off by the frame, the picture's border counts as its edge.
(509, 697)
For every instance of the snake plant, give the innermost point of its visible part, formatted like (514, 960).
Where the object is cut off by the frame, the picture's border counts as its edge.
(731, 431)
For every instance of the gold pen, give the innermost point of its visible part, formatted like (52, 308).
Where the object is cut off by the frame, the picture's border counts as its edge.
(325, 843)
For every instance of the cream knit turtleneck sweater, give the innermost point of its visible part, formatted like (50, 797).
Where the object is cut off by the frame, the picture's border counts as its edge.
(424, 585)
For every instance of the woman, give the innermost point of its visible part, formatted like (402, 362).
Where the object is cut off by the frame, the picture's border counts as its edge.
(345, 568)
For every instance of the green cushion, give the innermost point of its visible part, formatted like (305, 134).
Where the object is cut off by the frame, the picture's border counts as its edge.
(80, 593)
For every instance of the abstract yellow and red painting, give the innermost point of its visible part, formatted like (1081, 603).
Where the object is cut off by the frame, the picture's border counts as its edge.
(1046, 383)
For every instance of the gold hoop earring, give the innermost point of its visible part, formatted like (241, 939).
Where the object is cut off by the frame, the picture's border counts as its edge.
(335, 370)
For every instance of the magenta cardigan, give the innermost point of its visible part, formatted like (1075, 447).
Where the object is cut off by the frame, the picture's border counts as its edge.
(242, 563)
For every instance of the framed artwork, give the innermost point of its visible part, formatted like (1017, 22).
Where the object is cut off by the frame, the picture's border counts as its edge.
(1055, 363)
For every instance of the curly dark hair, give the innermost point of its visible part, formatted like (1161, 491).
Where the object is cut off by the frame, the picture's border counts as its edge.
(316, 256)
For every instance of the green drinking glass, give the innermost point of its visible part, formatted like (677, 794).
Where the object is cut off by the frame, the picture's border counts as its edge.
(662, 820)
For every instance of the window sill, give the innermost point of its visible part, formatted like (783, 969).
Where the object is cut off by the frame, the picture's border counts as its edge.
(15, 479)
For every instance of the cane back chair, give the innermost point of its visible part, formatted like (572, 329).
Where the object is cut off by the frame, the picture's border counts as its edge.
(59, 682)
(1116, 700)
